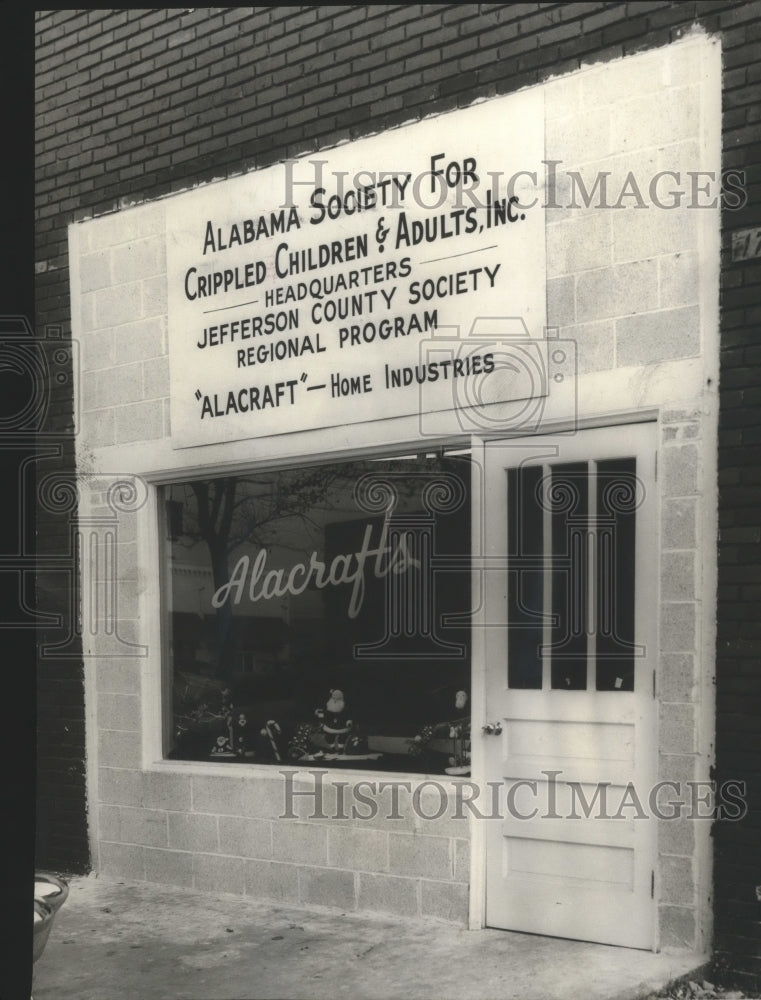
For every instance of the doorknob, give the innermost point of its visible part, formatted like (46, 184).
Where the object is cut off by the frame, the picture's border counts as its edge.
(492, 728)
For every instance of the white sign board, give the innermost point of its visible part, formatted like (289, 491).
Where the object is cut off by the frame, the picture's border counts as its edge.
(344, 286)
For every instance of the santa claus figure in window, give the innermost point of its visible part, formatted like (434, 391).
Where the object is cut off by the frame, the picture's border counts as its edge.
(334, 722)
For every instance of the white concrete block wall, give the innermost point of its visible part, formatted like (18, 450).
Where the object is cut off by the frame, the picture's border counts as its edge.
(122, 281)
(681, 756)
(627, 286)
(226, 834)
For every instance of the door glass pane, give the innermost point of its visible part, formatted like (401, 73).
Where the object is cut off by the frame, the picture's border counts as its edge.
(584, 514)
(616, 505)
(525, 591)
(566, 495)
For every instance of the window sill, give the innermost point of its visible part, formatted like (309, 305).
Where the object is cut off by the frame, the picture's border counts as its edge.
(253, 772)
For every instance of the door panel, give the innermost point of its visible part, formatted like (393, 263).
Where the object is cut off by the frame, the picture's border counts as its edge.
(569, 611)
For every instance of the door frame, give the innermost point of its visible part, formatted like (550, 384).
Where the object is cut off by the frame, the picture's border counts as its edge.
(478, 872)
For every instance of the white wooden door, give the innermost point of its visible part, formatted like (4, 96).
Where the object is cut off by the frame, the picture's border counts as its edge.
(569, 641)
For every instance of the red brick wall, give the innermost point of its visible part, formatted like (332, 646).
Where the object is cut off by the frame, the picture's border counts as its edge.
(135, 104)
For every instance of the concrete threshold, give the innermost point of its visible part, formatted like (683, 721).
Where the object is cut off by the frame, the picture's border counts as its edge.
(155, 942)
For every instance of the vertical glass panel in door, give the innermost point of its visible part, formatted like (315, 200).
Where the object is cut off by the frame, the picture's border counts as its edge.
(567, 499)
(617, 498)
(525, 572)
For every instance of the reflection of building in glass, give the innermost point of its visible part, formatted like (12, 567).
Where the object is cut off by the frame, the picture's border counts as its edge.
(288, 585)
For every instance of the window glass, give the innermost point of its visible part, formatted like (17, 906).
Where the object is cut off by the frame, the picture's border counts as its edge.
(568, 501)
(616, 519)
(321, 614)
(525, 578)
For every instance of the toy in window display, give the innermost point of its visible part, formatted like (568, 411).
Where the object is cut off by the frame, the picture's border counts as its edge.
(334, 720)
(457, 730)
(241, 736)
(201, 705)
(234, 743)
(333, 737)
(222, 748)
(270, 740)
(459, 733)
(357, 748)
(301, 743)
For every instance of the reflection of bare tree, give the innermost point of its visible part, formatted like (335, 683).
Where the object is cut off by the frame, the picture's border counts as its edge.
(232, 511)
(215, 509)
(237, 512)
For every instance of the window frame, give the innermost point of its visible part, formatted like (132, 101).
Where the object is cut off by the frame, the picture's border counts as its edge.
(158, 678)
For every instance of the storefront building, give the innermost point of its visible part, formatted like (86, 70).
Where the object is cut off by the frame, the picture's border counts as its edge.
(398, 461)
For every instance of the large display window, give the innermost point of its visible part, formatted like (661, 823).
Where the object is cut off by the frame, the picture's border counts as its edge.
(321, 614)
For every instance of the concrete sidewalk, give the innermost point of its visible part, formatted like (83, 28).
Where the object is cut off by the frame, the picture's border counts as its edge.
(149, 942)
